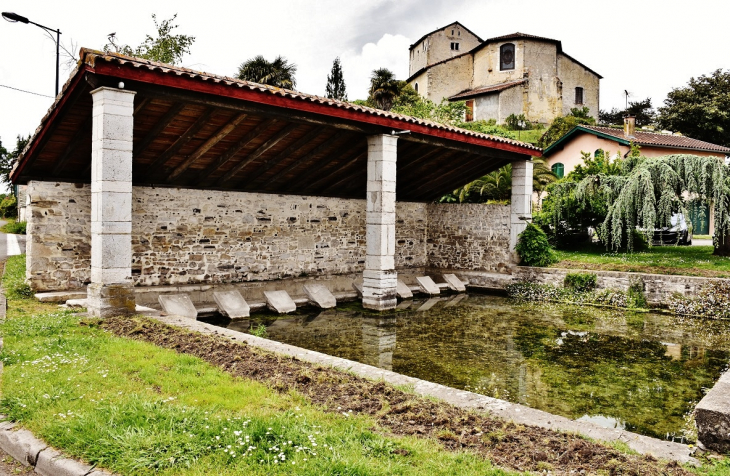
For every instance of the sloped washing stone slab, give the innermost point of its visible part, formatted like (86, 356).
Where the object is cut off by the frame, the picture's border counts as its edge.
(428, 286)
(232, 304)
(178, 305)
(357, 286)
(280, 301)
(320, 295)
(454, 283)
(402, 290)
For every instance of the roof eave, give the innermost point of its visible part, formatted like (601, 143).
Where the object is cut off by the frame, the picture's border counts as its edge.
(552, 147)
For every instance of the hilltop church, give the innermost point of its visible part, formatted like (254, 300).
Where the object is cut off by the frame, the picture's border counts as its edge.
(511, 74)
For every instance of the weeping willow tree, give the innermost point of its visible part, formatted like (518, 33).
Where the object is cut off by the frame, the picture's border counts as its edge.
(647, 196)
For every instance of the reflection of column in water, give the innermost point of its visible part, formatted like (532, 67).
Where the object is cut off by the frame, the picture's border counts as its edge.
(522, 385)
(378, 341)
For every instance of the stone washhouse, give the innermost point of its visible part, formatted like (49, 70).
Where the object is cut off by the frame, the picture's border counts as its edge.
(147, 176)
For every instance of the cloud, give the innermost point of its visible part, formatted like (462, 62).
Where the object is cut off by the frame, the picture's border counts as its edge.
(391, 51)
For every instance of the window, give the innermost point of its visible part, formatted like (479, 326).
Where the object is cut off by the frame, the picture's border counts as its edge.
(469, 110)
(507, 56)
(452, 32)
(415, 86)
(579, 95)
(598, 153)
(455, 46)
(558, 169)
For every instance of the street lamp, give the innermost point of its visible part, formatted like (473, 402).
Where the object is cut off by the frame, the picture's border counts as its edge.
(14, 18)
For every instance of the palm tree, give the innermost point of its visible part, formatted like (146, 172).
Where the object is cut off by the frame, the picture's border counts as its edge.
(383, 88)
(542, 176)
(279, 73)
(497, 185)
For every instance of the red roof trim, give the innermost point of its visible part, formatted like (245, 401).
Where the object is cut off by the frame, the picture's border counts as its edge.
(272, 99)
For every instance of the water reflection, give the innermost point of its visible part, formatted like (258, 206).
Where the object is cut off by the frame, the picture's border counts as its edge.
(642, 372)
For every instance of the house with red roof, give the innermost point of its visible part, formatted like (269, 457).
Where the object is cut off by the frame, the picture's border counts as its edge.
(516, 74)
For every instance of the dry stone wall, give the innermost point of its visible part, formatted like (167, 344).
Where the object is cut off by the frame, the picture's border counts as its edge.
(469, 236)
(184, 236)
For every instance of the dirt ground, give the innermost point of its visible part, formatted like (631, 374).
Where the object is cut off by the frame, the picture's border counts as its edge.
(506, 444)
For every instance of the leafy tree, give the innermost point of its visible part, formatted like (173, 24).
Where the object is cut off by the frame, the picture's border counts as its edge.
(279, 73)
(8, 159)
(642, 110)
(165, 48)
(336, 82)
(384, 88)
(700, 109)
(446, 112)
(562, 125)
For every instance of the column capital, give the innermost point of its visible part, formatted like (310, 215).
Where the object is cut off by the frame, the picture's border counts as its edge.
(108, 90)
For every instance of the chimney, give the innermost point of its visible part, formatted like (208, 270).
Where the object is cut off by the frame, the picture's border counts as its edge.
(629, 126)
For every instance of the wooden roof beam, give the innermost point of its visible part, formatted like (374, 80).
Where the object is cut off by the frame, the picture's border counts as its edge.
(419, 180)
(207, 145)
(180, 142)
(159, 126)
(285, 154)
(459, 180)
(265, 147)
(82, 134)
(315, 171)
(312, 153)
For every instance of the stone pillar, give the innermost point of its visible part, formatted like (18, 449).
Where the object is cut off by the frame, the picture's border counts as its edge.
(110, 292)
(379, 277)
(521, 211)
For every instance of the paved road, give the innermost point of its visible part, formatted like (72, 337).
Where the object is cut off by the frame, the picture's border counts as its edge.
(11, 245)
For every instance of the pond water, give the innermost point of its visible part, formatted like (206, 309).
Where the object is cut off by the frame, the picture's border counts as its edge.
(643, 372)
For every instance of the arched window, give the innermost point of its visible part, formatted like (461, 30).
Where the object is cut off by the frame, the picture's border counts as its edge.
(415, 86)
(558, 169)
(579, 95)
(507, 56)
(599, 152)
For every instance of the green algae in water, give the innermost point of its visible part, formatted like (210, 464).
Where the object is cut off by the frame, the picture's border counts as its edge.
(644, 372)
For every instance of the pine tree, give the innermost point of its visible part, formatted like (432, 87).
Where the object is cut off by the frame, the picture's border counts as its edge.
(336, 82)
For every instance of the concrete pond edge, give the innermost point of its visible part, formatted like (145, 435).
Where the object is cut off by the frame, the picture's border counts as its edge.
(517, 413)
(31, 451)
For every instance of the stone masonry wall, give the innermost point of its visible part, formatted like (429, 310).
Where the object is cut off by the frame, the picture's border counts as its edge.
(469, 237)
(182, 236)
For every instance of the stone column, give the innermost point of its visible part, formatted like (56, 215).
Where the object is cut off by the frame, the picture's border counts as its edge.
(110, 292)
(379, 277)
(521, 211)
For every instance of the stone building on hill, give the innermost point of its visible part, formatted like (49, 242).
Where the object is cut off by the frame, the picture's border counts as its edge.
(510, 74)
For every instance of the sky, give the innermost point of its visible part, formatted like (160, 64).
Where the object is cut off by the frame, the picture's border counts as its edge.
(644, 46)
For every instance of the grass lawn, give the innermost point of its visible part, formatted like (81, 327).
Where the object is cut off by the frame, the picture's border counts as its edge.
(682, 260)
(136, 408)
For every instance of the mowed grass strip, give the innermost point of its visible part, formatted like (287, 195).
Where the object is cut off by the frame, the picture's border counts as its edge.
(675, 260)
(135, 408)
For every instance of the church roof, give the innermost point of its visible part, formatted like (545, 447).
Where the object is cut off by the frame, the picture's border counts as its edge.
(494, 88)
(439, 29)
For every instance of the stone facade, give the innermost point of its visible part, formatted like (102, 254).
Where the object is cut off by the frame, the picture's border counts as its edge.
(185, 236)
(549, 91)
(469, 237)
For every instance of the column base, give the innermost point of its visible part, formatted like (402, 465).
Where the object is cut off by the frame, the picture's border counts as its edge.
(379, 290)
(107, 300)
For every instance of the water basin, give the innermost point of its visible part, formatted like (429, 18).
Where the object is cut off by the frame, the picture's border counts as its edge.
(642, 372)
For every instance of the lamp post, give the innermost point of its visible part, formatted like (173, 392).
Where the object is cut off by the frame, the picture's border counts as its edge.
(14, 18)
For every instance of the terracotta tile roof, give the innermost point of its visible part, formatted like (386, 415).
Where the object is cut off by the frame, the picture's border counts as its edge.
(91, 57)
(488, 89)
(661, 140)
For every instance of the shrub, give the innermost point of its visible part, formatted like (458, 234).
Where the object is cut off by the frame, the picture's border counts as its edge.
(14, 227)
(712, 301)
(580, 282)
(533, 247)
(9, 207)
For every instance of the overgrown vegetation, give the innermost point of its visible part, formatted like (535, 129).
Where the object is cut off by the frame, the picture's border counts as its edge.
(562, 125)
(166, 47)
(14, 278)
(712, 301)
(533, 247)
(9, 206)
(580, 282)
(527, 291)
(14, 227)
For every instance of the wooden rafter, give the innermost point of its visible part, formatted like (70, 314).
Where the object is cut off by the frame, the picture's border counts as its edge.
(207, 145)
(157, 129)
(181, 141)
(263, 148)
(328, 143)
(313, 172)
(342, 170)
(81, 135)
(460, 180)
(285, 154)
(418, 180)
